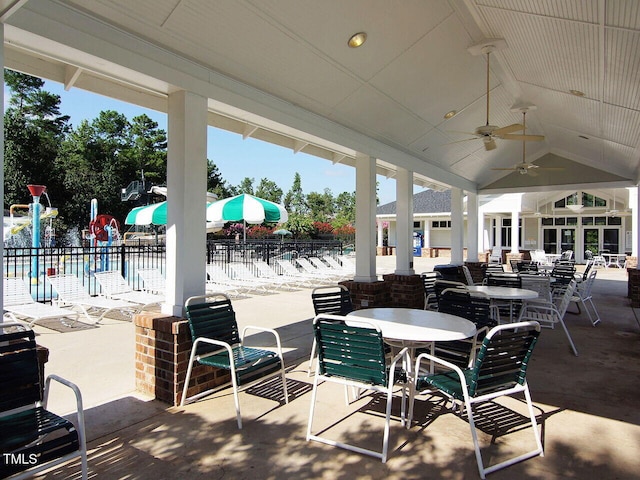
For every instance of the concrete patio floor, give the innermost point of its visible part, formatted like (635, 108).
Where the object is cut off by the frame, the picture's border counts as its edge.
(588, 408)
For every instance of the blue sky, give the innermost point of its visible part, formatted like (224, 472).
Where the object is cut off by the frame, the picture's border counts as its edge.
(235, 157)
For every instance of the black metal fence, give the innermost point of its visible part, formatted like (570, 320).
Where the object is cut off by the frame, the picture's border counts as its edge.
(35, 264)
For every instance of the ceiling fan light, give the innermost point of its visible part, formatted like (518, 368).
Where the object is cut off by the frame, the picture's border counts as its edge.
(357, 39)
(575, 208)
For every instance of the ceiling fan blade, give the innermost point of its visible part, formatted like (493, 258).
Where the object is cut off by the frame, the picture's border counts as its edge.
(460, 141)
(510, 169)
(527, 138)
(532, 173)
(557, 169)
(490, 145)
(516, 127)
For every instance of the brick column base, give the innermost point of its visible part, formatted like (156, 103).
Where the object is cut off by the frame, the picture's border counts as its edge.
(163, 345)
(406, 291)
(634, 287)
(368, 294)
(514, 256)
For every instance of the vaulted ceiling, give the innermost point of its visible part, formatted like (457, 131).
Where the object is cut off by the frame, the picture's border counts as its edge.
(281, 70)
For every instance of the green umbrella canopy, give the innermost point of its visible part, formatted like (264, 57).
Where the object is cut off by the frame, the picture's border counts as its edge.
(246, 208)
(154, 214)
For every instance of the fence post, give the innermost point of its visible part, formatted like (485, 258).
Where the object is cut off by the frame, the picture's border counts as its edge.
(123, 261)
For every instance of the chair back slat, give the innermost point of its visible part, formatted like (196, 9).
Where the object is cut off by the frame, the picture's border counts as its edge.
(16, 292)
(331, 300)
(350, 352)
(463, 304)
(213, 319)
(502, 360)
(504, 280)
(19, 371)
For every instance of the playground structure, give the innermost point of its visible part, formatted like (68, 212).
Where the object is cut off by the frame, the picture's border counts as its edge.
(14, 224)
(104, 232)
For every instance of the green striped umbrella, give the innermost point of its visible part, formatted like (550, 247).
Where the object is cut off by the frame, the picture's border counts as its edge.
(154, 214)
(246, 208)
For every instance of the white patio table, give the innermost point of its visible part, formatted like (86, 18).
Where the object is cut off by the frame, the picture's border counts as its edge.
(509, 294)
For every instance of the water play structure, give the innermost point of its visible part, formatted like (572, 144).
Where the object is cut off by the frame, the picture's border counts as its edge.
(23, 226)
(104, 232)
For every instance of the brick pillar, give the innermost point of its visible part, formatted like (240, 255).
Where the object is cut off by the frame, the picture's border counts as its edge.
(368, 294)
(405, 290)
(475, 269)
(634, 287)
(163, 345)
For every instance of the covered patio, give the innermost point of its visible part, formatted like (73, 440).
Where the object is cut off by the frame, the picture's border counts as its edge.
(587, 407)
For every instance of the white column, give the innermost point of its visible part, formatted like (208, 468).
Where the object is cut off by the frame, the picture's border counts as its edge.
(515, 216)
(472, 227)
(380, 232)
(456, 226)
(427, 233)
(636, 226)
(404, 217)
(365, 219)
(633, 204)
(186, 186)
(2, 148)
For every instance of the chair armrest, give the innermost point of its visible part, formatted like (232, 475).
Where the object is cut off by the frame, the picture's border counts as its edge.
(80, 409)
(265, 330)
(404, 355)
(539, 308)
(212, 341)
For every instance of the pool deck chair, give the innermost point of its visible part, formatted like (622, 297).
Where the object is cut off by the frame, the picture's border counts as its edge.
(72, 293)
(153, 280)
(27, 429)
(499, 370)
(352, 353)
(217, 343)
(115, 286)
(19, 304)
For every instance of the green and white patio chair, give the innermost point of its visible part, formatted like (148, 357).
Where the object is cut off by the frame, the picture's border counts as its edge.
(217, 342)
(352, 353)
(499, 369)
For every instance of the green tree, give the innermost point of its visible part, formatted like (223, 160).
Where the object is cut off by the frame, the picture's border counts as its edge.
(215, 182)
(98, 159)
(149, 149)
(345, 204)
(321, 205)
(245, 186)
(33, 131)
(301, 226)
(268, 190)
(295, 201)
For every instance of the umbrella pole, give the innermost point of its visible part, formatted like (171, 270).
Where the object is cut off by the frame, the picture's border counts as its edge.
(244, 231)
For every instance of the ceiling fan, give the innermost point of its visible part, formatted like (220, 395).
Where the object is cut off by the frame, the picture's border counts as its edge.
(488, 133)
(526, 168)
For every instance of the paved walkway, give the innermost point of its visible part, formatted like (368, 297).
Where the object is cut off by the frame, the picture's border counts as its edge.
(588, 407)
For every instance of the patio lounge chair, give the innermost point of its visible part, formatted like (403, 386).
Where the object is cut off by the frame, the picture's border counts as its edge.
(499, 370)
(19, 304)
(153, 280)
(114, 286)
(217, 275)
(32, 438)
(267, 273)
(217, 343)
(72, 293)
(325, 268)
(312, 270)
(241, 272)
(290, 269)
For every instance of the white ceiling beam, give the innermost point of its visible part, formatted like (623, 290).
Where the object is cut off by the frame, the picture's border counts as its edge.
(299, 145)
(338, 157)
(9, 8)
(71, 75)
(249, 130)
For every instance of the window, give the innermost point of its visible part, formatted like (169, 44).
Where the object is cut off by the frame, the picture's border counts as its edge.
(441, 224)
(547, 221)
(600, 220)
(572, 220)
(587, 220)
(614, 221)
(416, 224)
(560, 221)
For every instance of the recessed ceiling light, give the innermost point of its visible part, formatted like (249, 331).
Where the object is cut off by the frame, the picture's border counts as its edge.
(357, 39)
(577, 93)
(450, 114)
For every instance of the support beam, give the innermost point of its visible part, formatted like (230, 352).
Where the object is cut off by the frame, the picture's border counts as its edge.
(249, 130)
(457, 231)
(404, 216)
(187, 184)
(299, 145)
(472, 227)
(365, 219)
(515, 231)
(71, 75)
